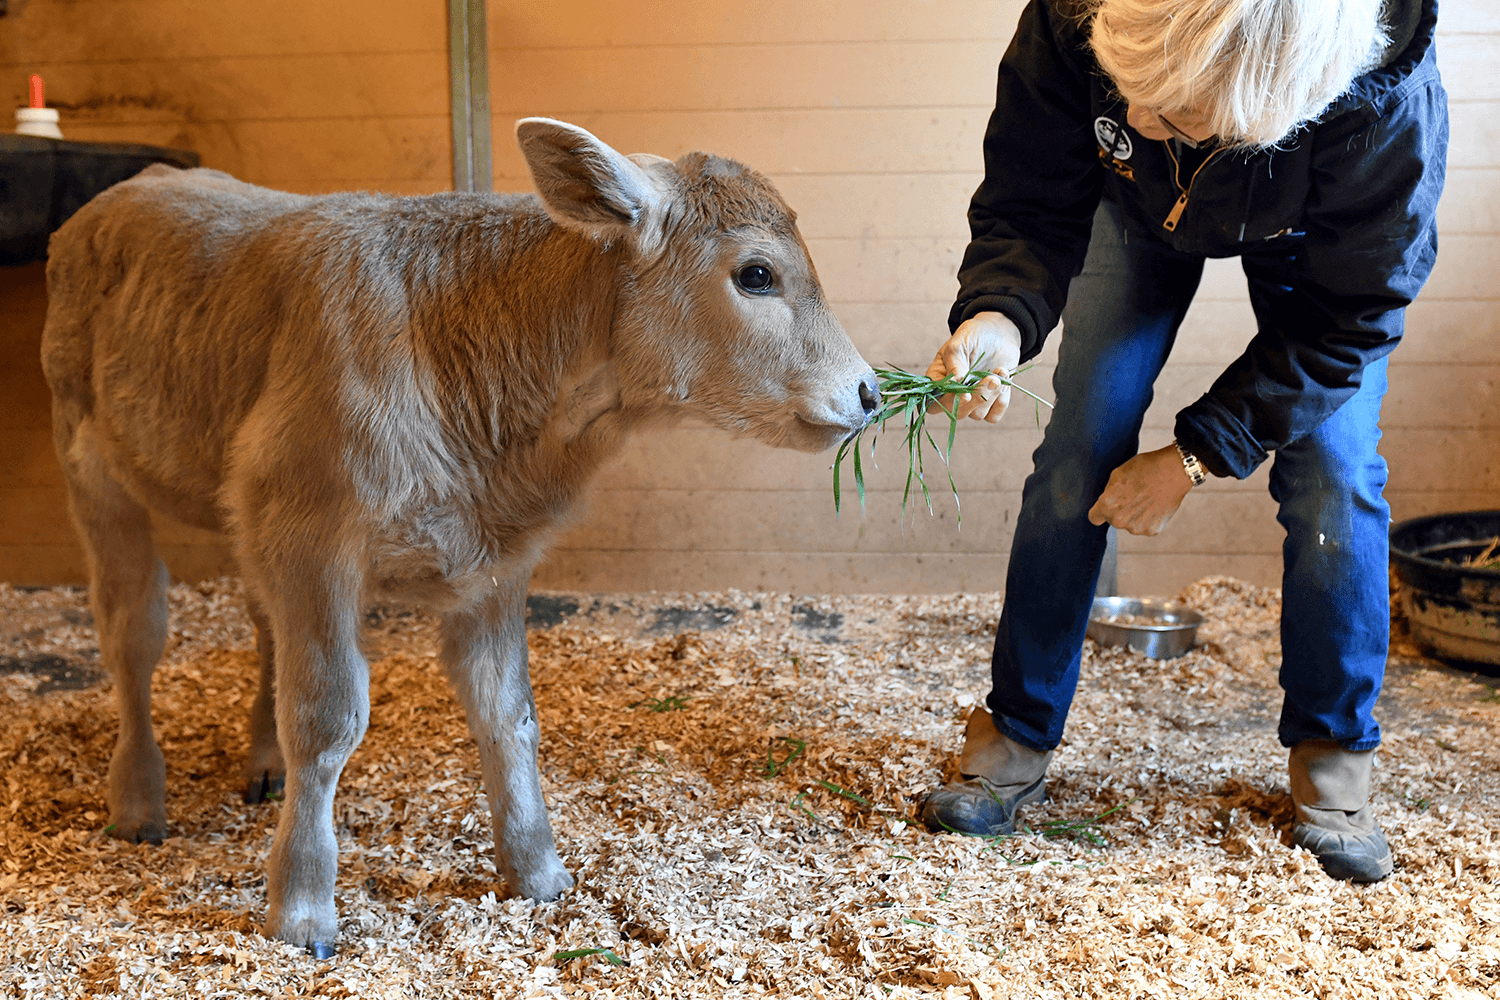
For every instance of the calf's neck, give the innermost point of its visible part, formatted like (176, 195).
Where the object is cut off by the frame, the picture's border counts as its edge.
(384, 398)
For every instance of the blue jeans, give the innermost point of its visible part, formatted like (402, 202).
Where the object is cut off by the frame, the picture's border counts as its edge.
(1121, 319)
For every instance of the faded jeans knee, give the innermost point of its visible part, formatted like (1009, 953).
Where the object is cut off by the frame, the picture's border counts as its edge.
(1335, 625)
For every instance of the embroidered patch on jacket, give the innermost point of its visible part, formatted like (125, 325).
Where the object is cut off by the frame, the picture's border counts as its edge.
(1113, 138)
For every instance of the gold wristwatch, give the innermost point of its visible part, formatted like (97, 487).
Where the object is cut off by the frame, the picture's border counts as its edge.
(1195, 470)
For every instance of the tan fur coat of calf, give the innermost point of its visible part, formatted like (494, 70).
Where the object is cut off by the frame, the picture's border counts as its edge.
(401, 398)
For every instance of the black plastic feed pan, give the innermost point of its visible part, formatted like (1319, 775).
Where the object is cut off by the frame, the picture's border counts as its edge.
(1452, 608)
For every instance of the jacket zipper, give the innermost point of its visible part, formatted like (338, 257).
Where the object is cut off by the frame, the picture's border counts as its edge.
(1171, 221)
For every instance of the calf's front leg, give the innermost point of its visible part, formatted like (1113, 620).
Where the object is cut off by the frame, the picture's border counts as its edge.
(322, 710)
(484, 650)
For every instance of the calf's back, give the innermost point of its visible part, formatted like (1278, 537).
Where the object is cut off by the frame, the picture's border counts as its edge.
(379, 351)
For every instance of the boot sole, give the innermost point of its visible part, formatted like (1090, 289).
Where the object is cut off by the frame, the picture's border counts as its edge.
(967, 808)
(1369, 865)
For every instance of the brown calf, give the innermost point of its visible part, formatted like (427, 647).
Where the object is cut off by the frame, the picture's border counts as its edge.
(403, 399)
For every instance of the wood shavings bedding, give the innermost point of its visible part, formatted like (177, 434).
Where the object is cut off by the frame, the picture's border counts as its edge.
(733, 779)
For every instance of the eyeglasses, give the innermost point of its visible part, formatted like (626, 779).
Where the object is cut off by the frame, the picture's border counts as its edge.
(1183, 137)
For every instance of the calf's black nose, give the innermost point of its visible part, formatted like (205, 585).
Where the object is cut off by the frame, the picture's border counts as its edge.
(869, 394)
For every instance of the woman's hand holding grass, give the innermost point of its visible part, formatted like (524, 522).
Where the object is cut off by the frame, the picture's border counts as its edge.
(989, 337)
(959, 382)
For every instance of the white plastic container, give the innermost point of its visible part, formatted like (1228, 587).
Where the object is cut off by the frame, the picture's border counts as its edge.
(38, 121)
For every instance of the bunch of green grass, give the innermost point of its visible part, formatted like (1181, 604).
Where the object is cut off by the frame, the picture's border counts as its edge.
(1085, 831)
(905, 397)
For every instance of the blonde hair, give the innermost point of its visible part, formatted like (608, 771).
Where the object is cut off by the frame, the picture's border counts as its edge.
(1253, 70)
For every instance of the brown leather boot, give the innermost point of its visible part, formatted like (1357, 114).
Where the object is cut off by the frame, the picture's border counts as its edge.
(999, 777)
(1331, 794)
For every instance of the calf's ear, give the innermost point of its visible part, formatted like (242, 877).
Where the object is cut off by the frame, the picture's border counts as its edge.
(583, 183)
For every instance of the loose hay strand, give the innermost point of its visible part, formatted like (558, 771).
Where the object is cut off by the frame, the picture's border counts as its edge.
(1488, 559)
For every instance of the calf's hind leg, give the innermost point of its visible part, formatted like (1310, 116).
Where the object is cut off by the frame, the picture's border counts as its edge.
(128, 587)
(265, 772)
(484, 649)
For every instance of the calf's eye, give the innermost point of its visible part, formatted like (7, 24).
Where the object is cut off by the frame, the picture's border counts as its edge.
(754, 278)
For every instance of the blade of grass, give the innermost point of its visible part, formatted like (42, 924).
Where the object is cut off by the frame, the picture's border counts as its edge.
(951, 484)
(840, 790)
(859, 481)
(852, 796)
(838, 468)
(794, 748)
(952, 432)
(671, 703)
(797, 806)
(568, 956)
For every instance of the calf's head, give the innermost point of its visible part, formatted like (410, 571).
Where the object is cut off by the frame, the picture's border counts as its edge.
(719, 311)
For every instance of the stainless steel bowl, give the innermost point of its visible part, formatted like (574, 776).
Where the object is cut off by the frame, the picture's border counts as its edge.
(1172, 631)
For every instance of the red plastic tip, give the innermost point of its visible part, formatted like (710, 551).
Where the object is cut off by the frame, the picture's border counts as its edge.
(38, 96)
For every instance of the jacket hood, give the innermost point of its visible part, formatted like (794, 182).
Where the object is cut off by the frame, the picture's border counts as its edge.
(1412, 24)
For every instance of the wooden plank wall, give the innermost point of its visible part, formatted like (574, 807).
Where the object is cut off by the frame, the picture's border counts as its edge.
(868, 117)
(305, 96)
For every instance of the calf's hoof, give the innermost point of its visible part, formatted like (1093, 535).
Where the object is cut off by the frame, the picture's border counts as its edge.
(267, 787)
(543, 886)
(145, 831)
(315, 933)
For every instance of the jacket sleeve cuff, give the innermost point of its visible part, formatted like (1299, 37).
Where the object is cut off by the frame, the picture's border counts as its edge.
(1218, 439)
(1008, 306)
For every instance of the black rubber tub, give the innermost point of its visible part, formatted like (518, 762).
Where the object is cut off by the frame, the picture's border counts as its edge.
(1452, 609)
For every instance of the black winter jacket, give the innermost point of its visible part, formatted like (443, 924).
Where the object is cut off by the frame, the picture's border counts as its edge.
(1346, 206)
